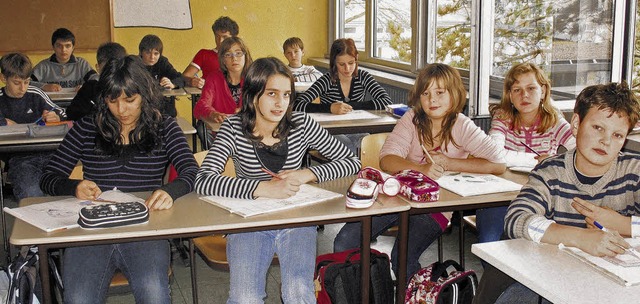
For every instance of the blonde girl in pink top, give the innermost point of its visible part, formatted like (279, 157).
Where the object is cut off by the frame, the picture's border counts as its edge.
(436, 123)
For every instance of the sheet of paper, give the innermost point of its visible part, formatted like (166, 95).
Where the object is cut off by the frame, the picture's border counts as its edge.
(307, 195)
(624, 268)
(469, 184)
(353, 115)
(63, 214)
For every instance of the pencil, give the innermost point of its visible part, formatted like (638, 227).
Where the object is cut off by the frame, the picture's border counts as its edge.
(426, 153)
(270, 173)
(532, 150)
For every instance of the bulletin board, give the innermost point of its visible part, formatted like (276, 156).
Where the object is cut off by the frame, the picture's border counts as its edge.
(27, 25)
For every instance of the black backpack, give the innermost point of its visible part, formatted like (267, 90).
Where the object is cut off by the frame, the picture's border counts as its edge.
(24, 278)
(338, 278)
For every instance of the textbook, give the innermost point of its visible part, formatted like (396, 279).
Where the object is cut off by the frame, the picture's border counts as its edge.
(623, 268)
(306, 195)
(469, 184)
(63, 214)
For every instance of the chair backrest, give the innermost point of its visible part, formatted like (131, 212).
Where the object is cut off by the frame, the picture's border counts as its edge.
(229, 168)
(370, 149)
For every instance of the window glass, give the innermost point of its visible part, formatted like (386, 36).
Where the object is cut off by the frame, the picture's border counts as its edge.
(453, 33)
(635, 81)
(354, 22)
(393, 30)
(571, 40)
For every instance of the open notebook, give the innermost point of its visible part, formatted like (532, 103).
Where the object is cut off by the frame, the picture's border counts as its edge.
(623, 268)
(468, 184)
(63, 214)
(306, 195)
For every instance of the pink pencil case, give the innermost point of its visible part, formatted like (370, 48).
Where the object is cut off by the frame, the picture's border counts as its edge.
(417, 187)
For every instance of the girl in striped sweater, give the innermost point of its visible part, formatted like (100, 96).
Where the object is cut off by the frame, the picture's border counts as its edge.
(127, 144)
(267, 135)
(523, 120)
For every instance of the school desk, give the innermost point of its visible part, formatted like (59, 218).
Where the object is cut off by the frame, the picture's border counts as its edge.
(554, 275)
(192, 217)
(450, 201)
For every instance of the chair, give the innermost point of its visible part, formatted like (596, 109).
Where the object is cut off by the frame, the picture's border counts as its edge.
(370, 157)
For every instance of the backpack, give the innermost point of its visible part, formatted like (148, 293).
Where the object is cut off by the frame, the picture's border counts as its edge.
(434, 285)
(24, 281)
(338, 278)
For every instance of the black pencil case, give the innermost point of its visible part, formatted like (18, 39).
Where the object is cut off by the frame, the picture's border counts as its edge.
(113, 215)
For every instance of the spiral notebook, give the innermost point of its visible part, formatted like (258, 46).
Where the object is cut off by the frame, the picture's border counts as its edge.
(306, 195)
(623, 268)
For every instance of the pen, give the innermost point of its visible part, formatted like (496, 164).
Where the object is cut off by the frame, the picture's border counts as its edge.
(427, 154)
(631, 250)
(270, 173)
(532, 150)
(38, 120)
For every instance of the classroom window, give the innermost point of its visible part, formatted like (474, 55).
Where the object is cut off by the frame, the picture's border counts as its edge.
(635, 79)
(576, 42)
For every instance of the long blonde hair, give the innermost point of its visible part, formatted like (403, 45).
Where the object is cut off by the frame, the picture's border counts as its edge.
(547, 113)
(449, 79)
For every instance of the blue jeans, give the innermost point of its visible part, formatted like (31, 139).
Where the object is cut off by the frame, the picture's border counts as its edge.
(25, 172)
(87, 271)
(352, 141)
(250, 255)
(518, 293)
(423, 230)
(490, 223)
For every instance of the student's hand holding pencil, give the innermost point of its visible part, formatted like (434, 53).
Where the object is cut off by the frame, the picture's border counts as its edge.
(50, 116)
(304, 176)
(605, 216)
(88, 190)
(277, 188)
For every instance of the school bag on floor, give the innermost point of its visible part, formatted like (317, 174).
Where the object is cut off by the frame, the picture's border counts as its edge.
(24, 280)
(435, 285)
(338, 278)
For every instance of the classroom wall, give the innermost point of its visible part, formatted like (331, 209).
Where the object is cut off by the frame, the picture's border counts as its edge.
(264, 25)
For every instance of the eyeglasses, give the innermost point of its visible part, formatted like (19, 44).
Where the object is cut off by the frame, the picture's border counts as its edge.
(237, 54)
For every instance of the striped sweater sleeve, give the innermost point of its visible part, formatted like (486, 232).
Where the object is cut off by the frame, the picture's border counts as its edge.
(380, 98)
(319, 88)
(181, 158)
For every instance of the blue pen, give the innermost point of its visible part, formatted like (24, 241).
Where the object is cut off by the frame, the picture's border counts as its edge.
(38, 121)
(631, 249)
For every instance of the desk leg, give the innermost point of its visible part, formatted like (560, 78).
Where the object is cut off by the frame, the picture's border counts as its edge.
(194, 281)
(403, 243)
(5, 237)
(194, 137)
(461, 238)
(47, 291)
(365, 259)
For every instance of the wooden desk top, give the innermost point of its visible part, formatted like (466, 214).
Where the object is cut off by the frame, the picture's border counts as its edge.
(174, 92)
(190, 215)
(384, 123)
(187, 127)
(193, 90)
(553, 274)
(450, 201)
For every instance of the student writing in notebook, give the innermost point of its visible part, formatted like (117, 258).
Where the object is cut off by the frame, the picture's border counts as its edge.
(222, 93)
(127, 144)
(267, 136)
(525, 119)
(62, 69)
(21, 103)
(434, 125)
(344, 89)
(566, 193)
(206, 60)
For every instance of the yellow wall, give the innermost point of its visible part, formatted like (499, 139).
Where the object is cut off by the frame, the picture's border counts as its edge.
(264, 25)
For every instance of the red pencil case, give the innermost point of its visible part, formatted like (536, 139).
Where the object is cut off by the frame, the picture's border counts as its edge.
(417, 187)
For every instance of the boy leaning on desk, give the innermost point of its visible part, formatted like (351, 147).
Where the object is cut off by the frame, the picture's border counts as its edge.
(569, 194)
(21, 103)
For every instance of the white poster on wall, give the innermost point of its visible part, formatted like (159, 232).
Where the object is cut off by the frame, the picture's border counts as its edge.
(171, 14)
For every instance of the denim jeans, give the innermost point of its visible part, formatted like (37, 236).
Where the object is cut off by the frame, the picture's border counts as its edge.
(490, 223)
(423, 230)
(518, 293)
(250, 256)
(87, 271)
(25, 172)
(352, 141)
